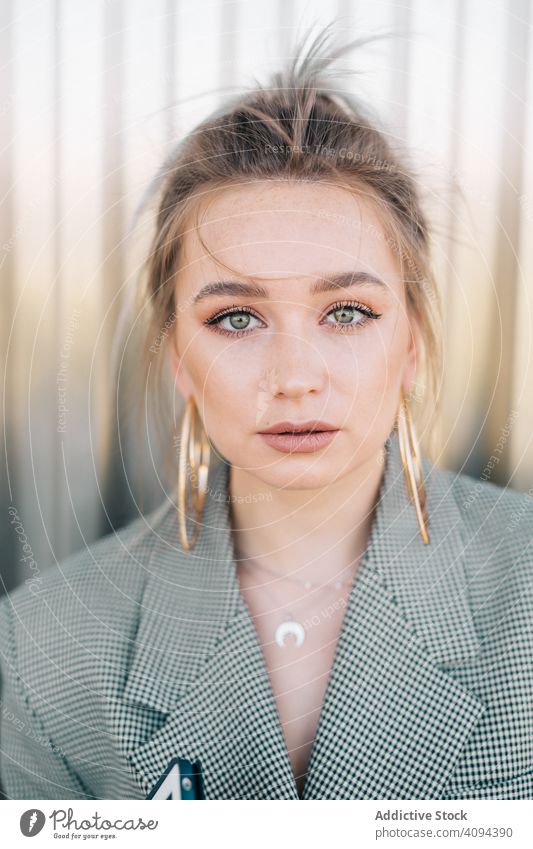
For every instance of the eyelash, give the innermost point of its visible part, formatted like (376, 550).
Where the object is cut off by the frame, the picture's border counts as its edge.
(368, 315)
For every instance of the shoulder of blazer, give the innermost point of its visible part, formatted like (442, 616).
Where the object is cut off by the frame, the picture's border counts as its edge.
(498, 562)
(497, 531)
(497, 528)
(58, 627)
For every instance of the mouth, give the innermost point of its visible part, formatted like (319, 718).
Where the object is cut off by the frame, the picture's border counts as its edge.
(299, 441)
(281, 432)
(285, 428)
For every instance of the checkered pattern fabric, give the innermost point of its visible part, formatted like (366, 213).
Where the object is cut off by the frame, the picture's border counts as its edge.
(133, 652)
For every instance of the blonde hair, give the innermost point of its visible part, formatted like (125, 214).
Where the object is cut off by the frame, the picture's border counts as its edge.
(294, 128)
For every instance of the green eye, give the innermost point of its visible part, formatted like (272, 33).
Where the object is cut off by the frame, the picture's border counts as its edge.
(240, 318)
(344, 314)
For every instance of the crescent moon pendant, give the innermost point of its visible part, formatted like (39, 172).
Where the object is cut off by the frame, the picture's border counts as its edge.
(290, 627)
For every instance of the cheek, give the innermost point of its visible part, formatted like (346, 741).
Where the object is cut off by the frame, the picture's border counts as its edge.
(373, 361)
(226, 386)
(370, 376)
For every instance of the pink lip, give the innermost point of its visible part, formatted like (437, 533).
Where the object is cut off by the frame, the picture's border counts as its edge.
(299, 443)
(296, 427)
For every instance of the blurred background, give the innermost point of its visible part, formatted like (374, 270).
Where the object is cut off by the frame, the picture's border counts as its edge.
(93, 94)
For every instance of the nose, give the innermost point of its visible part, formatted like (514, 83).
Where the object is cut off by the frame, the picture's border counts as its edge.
(296, 367)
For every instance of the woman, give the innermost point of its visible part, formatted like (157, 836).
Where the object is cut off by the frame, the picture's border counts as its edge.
(316, 612)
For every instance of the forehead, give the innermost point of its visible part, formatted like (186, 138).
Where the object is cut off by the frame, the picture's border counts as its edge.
(281, 228)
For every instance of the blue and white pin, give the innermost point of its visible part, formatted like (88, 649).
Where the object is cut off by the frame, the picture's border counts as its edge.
(180, 780)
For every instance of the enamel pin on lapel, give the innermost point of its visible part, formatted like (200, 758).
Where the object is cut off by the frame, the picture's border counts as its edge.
(181, 780)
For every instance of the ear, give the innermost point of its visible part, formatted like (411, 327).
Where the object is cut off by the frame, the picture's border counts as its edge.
(179, 372)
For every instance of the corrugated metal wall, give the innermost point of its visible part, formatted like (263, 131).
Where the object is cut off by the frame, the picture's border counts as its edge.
(92, 95)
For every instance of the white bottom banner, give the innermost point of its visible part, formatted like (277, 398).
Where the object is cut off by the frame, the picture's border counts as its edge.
(354, 823)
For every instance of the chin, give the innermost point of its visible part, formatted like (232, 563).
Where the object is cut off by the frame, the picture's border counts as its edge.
(298, 474)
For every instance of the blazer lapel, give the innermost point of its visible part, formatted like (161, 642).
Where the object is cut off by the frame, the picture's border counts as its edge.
(393, 722)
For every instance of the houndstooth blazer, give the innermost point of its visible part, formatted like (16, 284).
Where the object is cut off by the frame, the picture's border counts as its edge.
(133, 652)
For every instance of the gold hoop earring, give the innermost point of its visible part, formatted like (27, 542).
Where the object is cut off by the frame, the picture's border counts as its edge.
(412, 466)
(198, 451)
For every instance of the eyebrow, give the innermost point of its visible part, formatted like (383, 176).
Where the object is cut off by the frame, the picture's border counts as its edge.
(325, 283)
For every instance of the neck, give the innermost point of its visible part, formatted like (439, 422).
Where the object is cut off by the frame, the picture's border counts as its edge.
(316, 535)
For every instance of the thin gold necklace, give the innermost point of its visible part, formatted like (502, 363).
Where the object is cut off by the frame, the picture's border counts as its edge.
(289, 624)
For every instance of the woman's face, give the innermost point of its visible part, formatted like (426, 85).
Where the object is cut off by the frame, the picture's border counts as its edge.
(287, 353)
